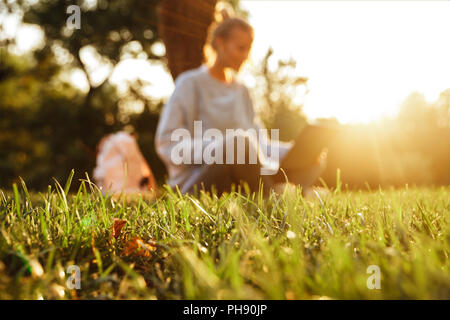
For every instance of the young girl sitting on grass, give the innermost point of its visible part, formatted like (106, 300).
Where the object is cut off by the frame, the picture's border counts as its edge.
(211, 94)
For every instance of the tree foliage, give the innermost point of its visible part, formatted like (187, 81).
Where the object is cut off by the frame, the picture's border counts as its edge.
(274, 92)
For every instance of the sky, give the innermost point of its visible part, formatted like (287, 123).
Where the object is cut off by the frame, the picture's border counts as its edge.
(362, 58)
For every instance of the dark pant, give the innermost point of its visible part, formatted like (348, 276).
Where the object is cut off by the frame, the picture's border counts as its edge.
(223, 175)
(304, 173)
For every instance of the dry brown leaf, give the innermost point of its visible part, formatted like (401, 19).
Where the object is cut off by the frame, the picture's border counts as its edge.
(117, 227)
(138, 247)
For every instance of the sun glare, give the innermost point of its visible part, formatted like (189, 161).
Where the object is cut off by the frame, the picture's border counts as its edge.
(362, 58)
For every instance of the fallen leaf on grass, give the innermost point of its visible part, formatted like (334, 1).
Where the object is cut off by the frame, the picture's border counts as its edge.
(117, 227)
(138, 247)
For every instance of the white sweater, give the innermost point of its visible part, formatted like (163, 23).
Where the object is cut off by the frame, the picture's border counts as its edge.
(200, 96)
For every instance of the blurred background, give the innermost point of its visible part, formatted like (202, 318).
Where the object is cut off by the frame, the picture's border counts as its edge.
(380, 70)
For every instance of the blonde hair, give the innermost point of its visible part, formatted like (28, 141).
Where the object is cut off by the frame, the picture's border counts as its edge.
(222, 27)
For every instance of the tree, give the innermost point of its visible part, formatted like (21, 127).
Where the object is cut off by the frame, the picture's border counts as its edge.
(183, 27)
(48, 126)
(107, 27)
(275, 94)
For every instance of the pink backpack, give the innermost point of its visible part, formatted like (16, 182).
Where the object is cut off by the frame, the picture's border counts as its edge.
(121, 166)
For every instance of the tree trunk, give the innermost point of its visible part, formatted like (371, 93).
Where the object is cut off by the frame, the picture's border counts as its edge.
(183, 27)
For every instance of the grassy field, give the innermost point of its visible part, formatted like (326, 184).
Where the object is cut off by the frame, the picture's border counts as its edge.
(233, 247)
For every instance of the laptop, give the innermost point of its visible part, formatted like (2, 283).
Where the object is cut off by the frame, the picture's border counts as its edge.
(308, 145)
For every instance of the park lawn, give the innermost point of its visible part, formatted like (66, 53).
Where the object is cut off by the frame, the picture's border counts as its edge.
(233, 247)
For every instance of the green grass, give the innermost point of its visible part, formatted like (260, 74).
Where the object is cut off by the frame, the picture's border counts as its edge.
(237, 246)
